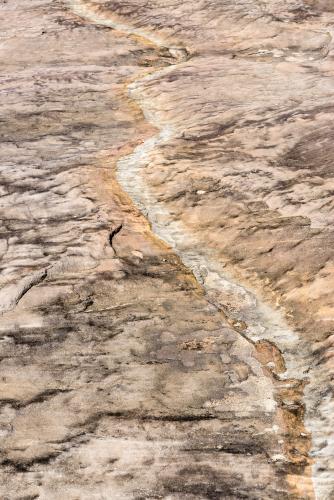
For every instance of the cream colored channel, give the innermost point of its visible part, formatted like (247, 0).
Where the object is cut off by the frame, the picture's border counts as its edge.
(263, 321)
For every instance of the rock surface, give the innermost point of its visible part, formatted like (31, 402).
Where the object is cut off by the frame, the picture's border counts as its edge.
(166, 249)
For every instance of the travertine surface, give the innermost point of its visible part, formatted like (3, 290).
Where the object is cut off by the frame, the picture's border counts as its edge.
(185, 352)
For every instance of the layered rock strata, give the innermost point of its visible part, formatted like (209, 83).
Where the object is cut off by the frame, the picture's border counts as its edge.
(196, 365)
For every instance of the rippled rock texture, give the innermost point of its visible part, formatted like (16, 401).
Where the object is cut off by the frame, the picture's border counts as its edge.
(166, 249)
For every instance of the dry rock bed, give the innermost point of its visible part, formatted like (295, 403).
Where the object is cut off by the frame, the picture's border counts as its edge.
(166, 288)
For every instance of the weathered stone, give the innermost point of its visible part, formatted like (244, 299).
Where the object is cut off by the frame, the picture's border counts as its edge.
(183, 352)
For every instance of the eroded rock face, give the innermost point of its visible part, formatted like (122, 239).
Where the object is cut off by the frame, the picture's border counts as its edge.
(197, 365)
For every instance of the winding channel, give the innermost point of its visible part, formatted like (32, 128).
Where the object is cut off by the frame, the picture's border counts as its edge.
(261, 321)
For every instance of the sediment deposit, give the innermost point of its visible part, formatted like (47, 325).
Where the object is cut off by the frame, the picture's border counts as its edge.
(166, 249)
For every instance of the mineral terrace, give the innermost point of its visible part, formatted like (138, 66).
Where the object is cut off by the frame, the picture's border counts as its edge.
(167, 277)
